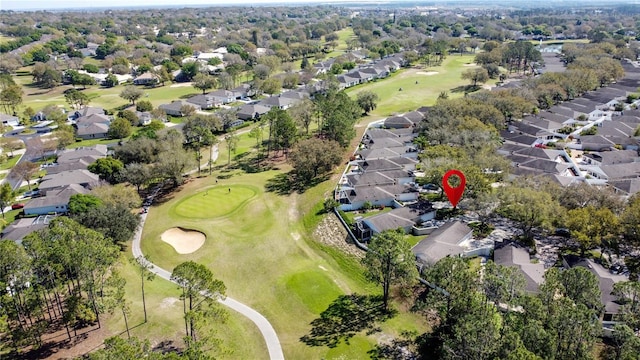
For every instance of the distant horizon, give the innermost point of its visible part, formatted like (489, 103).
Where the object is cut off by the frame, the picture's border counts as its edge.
(61, 5)
(35, 5)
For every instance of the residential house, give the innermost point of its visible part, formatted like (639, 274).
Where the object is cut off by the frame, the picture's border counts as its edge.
(205, 101)
(90, 50)
(55, 200)
(144, 118)
(243, 91)
(9, 120)
(71, 155)
(175, 108)
(376, 72)
(606, 280)
(508, 253)
(84, 178)
(614, 172)
(279, 102)
(445, 241)
(381, 195)
(323, 67)
(370, 179)
(252, 112)
(86, 111)
(148, 78)
(610, 157)
(405, 217)
(94, 126)
(346, 81)
(398, 122)
(77, 164)
(538, 161)
(296, 94)
(224, 96)
(17, 230)
(625, 187)
(563, 111)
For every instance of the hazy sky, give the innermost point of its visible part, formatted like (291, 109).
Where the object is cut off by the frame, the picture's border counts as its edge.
(57, 4)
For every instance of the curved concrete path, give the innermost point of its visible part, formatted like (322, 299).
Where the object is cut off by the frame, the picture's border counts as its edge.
(268, 333)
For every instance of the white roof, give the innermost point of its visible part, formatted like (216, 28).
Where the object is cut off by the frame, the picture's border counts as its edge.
(207, 56)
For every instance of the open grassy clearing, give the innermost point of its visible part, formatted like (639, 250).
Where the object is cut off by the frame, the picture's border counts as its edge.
(5, 39)
(214, 202)
(107, 98)
(166, 323)
(11, 162)
(263, 255)
(430, 83)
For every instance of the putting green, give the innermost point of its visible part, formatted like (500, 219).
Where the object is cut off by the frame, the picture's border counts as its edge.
(214, 202)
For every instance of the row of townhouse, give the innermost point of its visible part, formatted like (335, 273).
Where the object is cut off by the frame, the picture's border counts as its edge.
(251, 110)
(601, 123)
(375, 70)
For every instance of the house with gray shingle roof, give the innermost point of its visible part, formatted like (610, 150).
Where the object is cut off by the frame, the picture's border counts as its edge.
(406, 217)
(611, 157)
(9, 120)
(251, 112)
(175, 107)
(94, 126)
(69, 155)
(346, 81)
(606, 281)
(93, 131)
(511, 254)
(443, 242)
(398, 122)
(54, 201)
(279, 102)
(84, 178)
(205, 101)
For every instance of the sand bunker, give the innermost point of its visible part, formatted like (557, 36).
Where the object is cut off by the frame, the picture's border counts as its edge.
(427, 73)
(183, 241)
(470, 64)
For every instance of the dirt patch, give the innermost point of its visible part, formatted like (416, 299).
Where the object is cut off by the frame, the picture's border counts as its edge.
(180, 85)
(184, 241)
(427, 73)
(331, 232)
(168, 302)
(84, 342)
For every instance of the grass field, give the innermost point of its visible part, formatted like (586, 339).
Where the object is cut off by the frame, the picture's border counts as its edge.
(264, 256)
(107, 98)
(217, 201)
(11, 162)
(5, 39)
(166, 323)
(420, 86)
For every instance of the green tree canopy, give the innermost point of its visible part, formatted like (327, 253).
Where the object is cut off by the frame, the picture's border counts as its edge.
(389, 261)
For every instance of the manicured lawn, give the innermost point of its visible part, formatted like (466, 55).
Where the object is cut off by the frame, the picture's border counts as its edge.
(213, 202)
(265, 257)
(344, 35)
(9, 217)
(5, 39)
(11, 162)
(92, 142)
(165, 318)
(107, 98)
(430, 83)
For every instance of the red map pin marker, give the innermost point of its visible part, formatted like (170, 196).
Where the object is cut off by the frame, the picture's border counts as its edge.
(454, 193)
